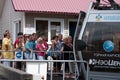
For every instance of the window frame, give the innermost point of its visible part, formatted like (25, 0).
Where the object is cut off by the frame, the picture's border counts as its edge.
(50, 20)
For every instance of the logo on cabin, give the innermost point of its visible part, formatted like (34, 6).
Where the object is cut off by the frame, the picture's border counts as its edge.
(18, 55)
(108, 46)
(98, 17)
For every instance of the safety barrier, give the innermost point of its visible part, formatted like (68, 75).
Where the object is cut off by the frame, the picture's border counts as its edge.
(38, 62)
(37, 67)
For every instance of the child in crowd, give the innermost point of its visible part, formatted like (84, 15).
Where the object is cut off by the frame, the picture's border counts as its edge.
(20, 48)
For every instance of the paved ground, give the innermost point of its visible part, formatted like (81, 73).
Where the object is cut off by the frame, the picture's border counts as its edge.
(59, 77)
(2, 78)
(48, 78)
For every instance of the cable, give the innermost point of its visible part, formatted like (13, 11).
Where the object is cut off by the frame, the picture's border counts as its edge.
(106, 1)
(111, 5)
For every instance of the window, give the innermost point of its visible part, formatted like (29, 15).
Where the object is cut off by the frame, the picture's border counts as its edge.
(96, 33)
(103, 46)
(49, 28)
(17, 27)
(55, 28)
(42, 28)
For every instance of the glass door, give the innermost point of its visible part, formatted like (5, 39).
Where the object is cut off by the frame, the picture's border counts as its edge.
(49, 27)
(55, 28)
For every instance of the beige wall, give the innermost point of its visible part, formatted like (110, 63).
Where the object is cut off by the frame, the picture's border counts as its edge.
(8, 17)
(30, 18)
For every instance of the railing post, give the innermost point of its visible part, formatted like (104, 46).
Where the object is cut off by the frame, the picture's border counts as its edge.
(51, 68)
(63, 70)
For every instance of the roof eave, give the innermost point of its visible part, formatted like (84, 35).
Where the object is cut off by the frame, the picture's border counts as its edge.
(47, 12)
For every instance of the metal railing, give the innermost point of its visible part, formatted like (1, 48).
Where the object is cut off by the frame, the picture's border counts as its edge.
(50, 65)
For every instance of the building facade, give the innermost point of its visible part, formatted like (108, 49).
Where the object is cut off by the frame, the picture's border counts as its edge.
(39, 16)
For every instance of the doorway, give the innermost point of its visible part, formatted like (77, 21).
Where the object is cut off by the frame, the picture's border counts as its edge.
(72, 28)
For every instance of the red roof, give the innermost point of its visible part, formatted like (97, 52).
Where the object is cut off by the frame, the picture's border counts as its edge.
(52, 6)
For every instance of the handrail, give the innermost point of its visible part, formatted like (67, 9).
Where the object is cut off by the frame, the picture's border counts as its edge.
(75, 61)
(44, 61)
(35, 51)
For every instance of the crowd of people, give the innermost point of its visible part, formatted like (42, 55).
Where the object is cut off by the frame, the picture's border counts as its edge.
(37, 48)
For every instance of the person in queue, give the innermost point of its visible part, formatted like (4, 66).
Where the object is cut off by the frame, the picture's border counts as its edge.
(18, 40)
(19, 36)
(34, 37)
(29, 50)
(45, 45)
(59, 45)
(40, 49)
(54, 52)
(20, 48)
(7, 48)
(66, 49)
